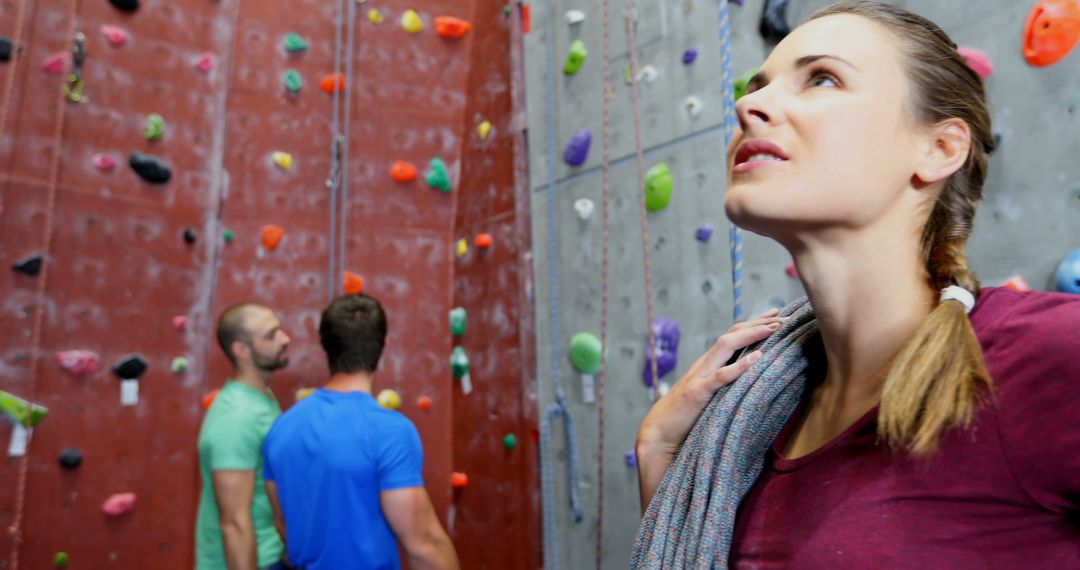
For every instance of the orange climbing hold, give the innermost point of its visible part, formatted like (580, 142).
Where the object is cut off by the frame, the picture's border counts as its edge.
(332, 83)
(271, 236)
(424, 403)
(403, 171)
(354, 284)
(208, 399)
(459, 480)
(1052, 30)
(451, 27)
(483, 241)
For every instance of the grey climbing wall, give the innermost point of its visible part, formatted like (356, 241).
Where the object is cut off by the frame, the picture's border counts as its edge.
(1029, 220)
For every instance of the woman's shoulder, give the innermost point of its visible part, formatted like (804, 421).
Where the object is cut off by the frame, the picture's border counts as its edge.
(1032, 325)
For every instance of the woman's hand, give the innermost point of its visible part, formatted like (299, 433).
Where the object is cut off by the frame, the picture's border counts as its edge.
(671, 417)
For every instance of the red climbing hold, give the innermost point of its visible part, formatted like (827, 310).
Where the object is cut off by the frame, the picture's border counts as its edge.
(114, 35)
(208, 399)
(483, 241)
(1017, 283)
(792, 271)
(451, 27)
(424, 403)
(332, 83)
(103, 162)
(78, 361)
(271, 236)
(119, 504)
(526, 18)
(977, 60)
(205, 62)
(353, 283)
(55, 63)
(459, 480)
(1052, 30)
(403, 171)
(179, 322)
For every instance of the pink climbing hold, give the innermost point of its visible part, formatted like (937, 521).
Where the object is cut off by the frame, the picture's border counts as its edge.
(114, 35)
(205, 62)
(792, 271)
(179, 322)
(119, 504)
(977, 60)
(55, 63)
(78, 361)
(104, 162)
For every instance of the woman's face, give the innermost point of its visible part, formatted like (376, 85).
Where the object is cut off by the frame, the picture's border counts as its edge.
(826, 139)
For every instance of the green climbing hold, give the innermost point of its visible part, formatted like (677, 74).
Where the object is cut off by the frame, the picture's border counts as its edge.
(292, 80)
(657, 188)
(438, 177)
(586, 353)
(575, 58)
(742, 81)
(228, 235)
(457, 321)
(510, 441)
(60, 560)
(155, 127)
(179, 364)
(294, 43)
(20, 410)
(459, 363)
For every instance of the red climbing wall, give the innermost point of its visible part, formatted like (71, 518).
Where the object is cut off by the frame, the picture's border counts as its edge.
(119, 270)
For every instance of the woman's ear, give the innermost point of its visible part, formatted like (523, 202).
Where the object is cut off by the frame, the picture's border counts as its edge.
(946, 149)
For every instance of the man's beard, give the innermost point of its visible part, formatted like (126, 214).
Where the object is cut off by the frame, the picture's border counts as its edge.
(270, 363)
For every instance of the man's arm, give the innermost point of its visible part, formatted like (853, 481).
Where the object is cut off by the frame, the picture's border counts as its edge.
(234, 490)
(413, 520)
(279, 519)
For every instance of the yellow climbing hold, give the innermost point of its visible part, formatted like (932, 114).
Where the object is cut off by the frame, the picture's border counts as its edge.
(374, 16)
(304, 393)
(462, 247)
(282, 159)
(483, 129)
(389, 399)
(410, 21)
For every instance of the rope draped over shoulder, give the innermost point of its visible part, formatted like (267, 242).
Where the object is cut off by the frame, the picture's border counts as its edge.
(691, 519)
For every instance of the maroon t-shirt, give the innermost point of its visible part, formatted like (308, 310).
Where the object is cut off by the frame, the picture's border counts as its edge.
(1005, 494)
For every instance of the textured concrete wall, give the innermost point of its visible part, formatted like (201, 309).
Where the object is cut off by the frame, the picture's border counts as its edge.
(1030, 219)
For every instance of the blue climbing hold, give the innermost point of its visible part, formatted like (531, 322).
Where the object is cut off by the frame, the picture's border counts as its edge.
(577, 148)
(1068, 273)
(689, 56)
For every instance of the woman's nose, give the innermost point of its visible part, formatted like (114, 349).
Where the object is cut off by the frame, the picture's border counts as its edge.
(751, 110)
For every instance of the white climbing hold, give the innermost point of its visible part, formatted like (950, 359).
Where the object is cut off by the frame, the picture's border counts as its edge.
(694, 105)
(574, 17)
(648, 74)
(584, 208)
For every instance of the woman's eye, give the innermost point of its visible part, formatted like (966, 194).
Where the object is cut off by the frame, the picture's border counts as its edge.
(823, 80)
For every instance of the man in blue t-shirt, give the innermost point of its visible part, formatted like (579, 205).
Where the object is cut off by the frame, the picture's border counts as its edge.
(344, 474)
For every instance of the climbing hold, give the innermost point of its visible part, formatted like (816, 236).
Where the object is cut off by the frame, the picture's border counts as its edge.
(29, 265)
(116, 36)
(155, 127)
(282, 159)
(576, 151)
(389, 399)
(71, 458)
(424, 403)
(526, 17)
(332, 83)
(450, 27)
(374, 16)
(507, 10)
(742, 81)
(774, 26)
(228, 235)
(6, 47)
(190, 236)
(586, 353)
(208, 399)
(574, 17)
(584, 208)
(657, 187)
(130, 367)
(575, 58)
(179, 365)
(271, 236)
(103, 162)
(21, 411)
(119, 504)
(55, 63)
(205, 62)
(293, 43)
(689, 56)
(179, 323)
(483, 241)
(1051, 31)
(60, 559)
(125, 5)
(792, 271)
(1067, 277)
(509, 442)
(410, 22)
(403, 171)
(704, 233)
(483, 129)
(1016, 283)
(437, 176)
(648, 74)
(151, 168)
(666, 334)
(79, 362)
(977, 60)
(631, 458)
(694, 105)
(458, 321)
(352, 283)
(302, 393)
(459, 363)
(292, 81)
(461, 247)
(459, 480)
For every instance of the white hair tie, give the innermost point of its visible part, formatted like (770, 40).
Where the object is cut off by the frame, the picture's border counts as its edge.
(957, 293)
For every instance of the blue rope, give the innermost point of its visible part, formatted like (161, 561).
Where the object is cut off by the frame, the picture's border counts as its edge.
(556, 409)
(731, 122)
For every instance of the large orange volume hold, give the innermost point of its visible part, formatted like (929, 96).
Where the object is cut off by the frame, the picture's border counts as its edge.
(1052, 30)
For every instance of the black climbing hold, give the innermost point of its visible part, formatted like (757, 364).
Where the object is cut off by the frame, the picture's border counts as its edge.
(70, 458)
(130, 367)
(150, 168)
(30, 265)
(6, 47)
(997, 142)
(125, 5)
(774, 26)
(189, 236)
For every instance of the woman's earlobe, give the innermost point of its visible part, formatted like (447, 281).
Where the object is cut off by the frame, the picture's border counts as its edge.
(948, 148)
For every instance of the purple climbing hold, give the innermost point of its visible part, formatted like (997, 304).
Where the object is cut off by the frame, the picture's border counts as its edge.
(666, 332)
(577, 148)
(689, 56)
(150, 168)
(30, 265)
(704, 233)
(739, 2)
(631, 458)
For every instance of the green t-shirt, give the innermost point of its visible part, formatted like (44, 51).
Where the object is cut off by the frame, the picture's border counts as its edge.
(231, 438)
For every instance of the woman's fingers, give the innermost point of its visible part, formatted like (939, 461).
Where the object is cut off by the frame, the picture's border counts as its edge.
(731, 373)
(735, 340)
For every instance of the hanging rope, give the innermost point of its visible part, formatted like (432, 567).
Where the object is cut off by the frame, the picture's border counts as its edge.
(343, 222)
(556, 409)
(602, 376)
(334, 180)
(731, 122)
(20, 15)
